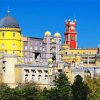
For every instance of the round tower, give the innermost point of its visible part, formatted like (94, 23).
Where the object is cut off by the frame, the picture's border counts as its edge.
(71, 34)
(10, 48)
(10, 36)
(47, 41)
(57, 38)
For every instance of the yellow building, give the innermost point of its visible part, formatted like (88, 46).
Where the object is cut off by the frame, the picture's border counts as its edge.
(86, 56)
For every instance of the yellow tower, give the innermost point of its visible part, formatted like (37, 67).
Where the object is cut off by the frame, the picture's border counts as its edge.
(11, 46)
(10, 36)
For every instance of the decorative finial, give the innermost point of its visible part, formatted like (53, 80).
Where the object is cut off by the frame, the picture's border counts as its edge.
(8, 12)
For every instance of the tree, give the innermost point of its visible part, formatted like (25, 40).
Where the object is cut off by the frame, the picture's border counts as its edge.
(28, 91)
(94, 85)
(63, 87)
(80, 89)
(61, 81)
(5, 92)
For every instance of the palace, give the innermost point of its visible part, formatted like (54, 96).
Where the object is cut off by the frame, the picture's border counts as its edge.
(24, 59)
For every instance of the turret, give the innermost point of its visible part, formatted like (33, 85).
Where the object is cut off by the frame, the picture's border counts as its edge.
(57, 38)
(47, 40)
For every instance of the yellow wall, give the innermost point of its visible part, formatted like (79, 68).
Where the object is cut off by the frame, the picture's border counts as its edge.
(82, 51)
(17, 75)
(69, 55)
(8, 40)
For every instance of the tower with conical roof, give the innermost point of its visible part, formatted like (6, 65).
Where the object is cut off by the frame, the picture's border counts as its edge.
(10, 36)
(10, 48)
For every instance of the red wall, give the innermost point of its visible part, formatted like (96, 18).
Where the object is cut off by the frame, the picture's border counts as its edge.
(73, 43)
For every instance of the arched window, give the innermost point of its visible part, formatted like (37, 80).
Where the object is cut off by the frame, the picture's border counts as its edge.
(3, 34)
(13, 34)
(3, 46)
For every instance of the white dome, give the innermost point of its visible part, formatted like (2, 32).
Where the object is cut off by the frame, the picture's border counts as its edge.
(57, 34)
(47, 33)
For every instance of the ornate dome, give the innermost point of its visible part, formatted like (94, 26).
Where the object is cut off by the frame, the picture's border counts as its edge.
(47, 33)
(8, 22)
(57, 34)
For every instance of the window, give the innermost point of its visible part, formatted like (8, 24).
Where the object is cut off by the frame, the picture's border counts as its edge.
(3, 65)
(46, 71)
(30, 47)
(43, 49)
(33, 71)
(13, 45)
(40, 71)
(13, 52)
(26, 72)
(33, 75)
(13, 34)
(31, 59)
(25, 47)
(73, 38)
(60, 70)
(46, 75)
(3, 34)
(3, 45)
(39, 75)
(36, 48)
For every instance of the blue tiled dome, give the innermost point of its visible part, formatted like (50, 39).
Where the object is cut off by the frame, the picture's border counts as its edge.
(8, 22)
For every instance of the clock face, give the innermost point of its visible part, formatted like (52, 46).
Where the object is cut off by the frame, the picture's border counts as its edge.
(73, 38)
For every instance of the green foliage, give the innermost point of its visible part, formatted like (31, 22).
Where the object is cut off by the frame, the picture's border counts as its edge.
(26, 91)
(95, 95)
(61, 81)
(94, 85)
(63, 87)
(80, 89)
(5, 92)
(63, 90)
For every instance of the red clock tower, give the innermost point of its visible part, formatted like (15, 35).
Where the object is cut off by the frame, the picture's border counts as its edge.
(71, 34)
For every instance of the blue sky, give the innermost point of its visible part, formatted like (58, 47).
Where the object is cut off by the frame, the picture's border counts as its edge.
(37, 16)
